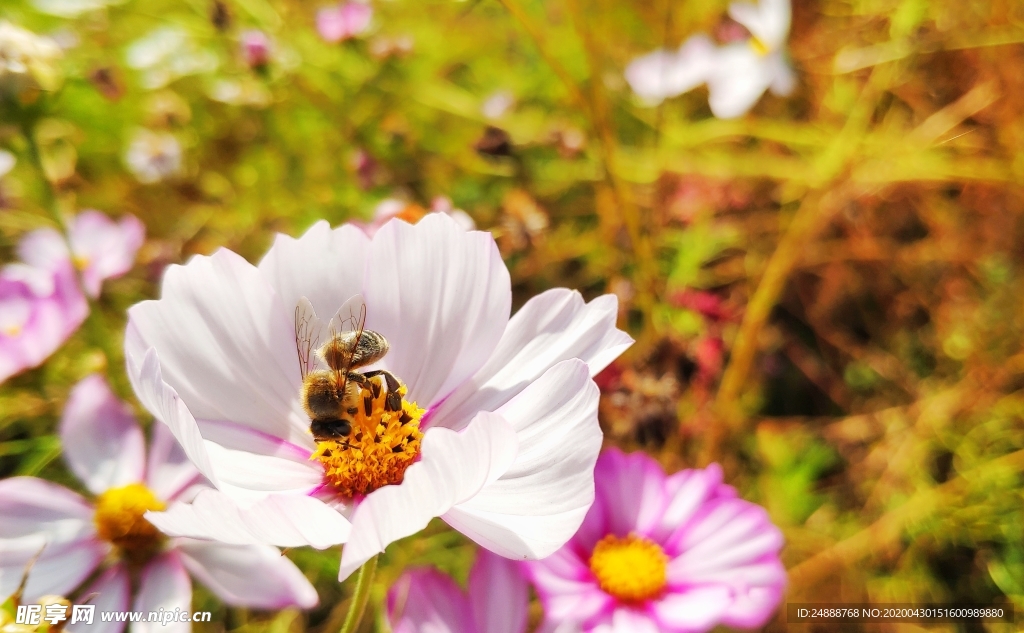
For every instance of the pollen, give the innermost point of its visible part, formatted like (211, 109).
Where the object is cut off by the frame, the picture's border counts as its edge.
(632, 569)
(759, 46)
(382, 445)
(119, 521)
(81, 262)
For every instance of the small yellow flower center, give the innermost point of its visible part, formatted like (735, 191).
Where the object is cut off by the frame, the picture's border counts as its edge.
(119, 520)
(382, 445)
(81, 262)
(632, 569)
(759, 46)
(12, 330)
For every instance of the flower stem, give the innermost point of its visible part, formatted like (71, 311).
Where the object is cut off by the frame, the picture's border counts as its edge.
(364, 579)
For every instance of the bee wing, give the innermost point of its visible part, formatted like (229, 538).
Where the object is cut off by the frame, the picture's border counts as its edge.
(350, 317)
(307, 335)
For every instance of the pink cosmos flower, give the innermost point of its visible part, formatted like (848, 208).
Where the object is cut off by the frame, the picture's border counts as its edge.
(391, 208)
(343, 21)
(39, 310)
(425, 600)
(104, 447)
(676, 554)
(497, 432)
(100, 248)
(256, 47)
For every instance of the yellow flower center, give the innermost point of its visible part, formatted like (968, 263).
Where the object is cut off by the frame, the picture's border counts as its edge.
(119, 521)
(759, 47)
(381, 446)
(81, 262)
(632, 569)
(12, 330)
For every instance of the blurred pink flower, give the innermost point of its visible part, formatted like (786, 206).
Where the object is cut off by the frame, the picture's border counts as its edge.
(255, 48)
(101, 248)
(39, 310)
(343, 21)
(507, 406)
(104, 447)
(678, 553)
(496, 601)
(390, 208)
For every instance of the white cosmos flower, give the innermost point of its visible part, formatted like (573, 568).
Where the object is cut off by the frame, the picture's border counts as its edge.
(744, 70)
(737, 74)
(510, 425)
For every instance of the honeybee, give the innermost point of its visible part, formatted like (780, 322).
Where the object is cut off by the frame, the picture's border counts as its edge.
(332, 397)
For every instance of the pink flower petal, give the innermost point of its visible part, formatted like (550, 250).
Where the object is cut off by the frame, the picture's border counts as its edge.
(165, 586)
(226, 344)
(29, 505)
(329, 278)
(441, 296)
(697, 609)
(632, 485)
(426, 600)
(286, 520)
(256, 576)
(540, 501)
(453, 468)
(106, 248)
(39, 310)
(103, 444)
(552, 327)
(60, 568)
(110, 592)
(498, 594)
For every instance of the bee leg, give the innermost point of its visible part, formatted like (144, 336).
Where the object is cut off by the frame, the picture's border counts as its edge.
(359, 379)
(394, 401)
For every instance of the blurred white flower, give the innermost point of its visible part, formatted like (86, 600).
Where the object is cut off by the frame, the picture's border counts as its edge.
(7, 162)
(498, 104)
(27, 60)
(664, 74)
(167, 53)
(153, 156)
(744, 70)
(71, 8)
(737, 74)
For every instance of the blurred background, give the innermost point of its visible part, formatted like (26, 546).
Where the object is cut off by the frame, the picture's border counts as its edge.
(826, 291)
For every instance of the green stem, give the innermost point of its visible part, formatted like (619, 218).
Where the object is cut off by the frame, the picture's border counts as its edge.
(364, 579)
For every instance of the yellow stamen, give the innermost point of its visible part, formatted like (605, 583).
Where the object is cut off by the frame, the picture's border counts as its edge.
(759, 47)
(81, 262)
(380, 448)
(632, 569)
(12, 330)
(119, 520)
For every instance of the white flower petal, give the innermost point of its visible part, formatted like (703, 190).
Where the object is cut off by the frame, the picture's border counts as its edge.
(498, 594)
(452, 469)
(552, 327)
(325, 266)
(286, 520)
(256, 576)
(163, 402)
(696, 609)
(226, 344)
(541, 500)
(165, 586)
(768, 21)
(43, 248)
(663, 74)
(168, 471)
(441, 295)
(740, 77)
(783, 76)
(629, 620)
(106, 248)
(103, 444)
(110, 592)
